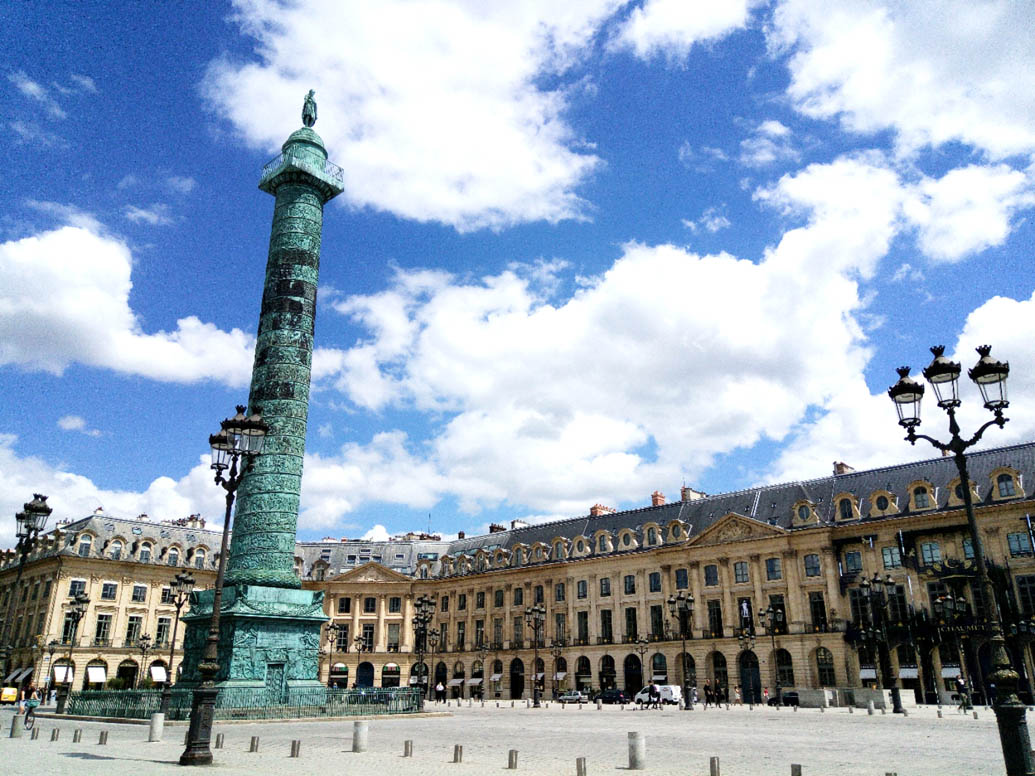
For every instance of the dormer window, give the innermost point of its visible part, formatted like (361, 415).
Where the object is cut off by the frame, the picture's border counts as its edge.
(921, 498)
(844, 508)
(1005, 485)
(199, 559)
(115, 552)
(804, 512)
(174, 557)
(652, 536)
(145, 553)
(85, 544)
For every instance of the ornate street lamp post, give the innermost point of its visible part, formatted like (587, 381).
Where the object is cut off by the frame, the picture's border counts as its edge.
(423, 611)
(75, 613)
(145, 644)
(180, 590)
(771, 618)
(681, 607)
(334, 630)
(950, 610)
(535, 617)
(234, 450)
(433, 637)
(875, 633)
(30, 521)
(642, 648)
(990, 376)
(483, 654)
(52, 646)
(557, 650)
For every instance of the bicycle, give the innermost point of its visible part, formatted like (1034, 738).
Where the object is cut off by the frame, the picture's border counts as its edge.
(30, 713)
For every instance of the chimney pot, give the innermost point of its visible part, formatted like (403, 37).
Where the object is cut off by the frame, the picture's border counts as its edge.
(657, 498)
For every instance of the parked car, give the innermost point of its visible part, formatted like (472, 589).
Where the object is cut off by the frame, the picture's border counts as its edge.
(9, 695)
(785, 699)
(612, 696)
(574, 696)
(670, 693)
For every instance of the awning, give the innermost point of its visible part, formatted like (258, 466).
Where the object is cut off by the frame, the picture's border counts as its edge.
(475, 680)
(10, 676)
(456, 682)
(340, 668)
(539, 677)
(950, 671)
(158, 673)
(27, 672)
(495, 677)
(96, 674)
(659, 677)
(415, 680)
(908, 672)
(60, 671)
(560, 675)
(867, 673)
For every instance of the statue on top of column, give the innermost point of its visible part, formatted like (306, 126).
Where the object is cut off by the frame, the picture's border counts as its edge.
(309, 109)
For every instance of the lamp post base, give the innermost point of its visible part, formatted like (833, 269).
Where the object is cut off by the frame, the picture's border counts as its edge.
(199, 734)
(896, 701)
(535, 699)
(166, 694)
(1013, 735)
(62, 700)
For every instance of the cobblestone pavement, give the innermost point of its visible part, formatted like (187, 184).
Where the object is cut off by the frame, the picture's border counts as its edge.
(748, 742)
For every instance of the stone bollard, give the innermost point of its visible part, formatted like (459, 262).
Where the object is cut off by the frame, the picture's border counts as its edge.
(296, 747)
(727, 707)
(16, 726)
(497, 704)
(883, 711)
(458, 753)
(751, 707)
(219, 741)
(795, 769)
(869, 708)
(890, 773)
(512, 704)
(77, 735)
(254, 745)
(360, 733)
(512, 759)
(905, 712)
(713, 766)
(600, 704)
(408, 748)
(822, 709)
(34, 734)
(469, 703)
(793, 707)
(528, 703)
(637, 751)
(55, 734)
(580, 766)
(975, 715)
(102, 739)
(483, 703)
(851, 709)
(154, 733)
(939, 713)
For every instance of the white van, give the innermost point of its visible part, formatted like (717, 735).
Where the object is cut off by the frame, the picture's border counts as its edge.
(670, 693)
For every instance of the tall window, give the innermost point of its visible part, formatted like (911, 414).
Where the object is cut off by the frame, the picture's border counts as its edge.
(341, 640)
(1019, 543)
(630, 623)
(930, 552)
(582, 624)
(853, 561)
(368, 638)
(139, 593)
(479, 632)
(606, 630)
(1026, 595)
(75, 587)
(581, 589)
(162, 631)
(497, 599)
(857, 605)
(776, 601)
(558, 591)
(773, 569)
(657, 621)
(538, 595)
(393, 637)
(394, 604)
(818, 611)
(682, 579)
(745, 614)
(109, 590)
(133, 625)
(68, 629)
(102, 632)
(560, 625)
(370, 605)
(497, 632)
(654, 582)
(740, 571)
(897, 606)
(715, 617)
(825, 667)
(711, 575)
(892, 557)
(630, 584)
(519, 596)
(461, 634)
(605, 587)
(1004, 482)
(968, 548)
(812, 565)
(345, 605)
(479, 600)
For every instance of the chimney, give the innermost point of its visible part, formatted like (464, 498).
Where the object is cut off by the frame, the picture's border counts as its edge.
(840, 467)
(689, 494)
(496, 528)
(461, 535)
(657, 498)
(515, 524)
(599, 509)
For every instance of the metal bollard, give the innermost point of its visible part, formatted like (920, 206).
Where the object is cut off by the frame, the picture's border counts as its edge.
(34, 734)
(296, 747)
(154, 733)
(102, 739)
(408, 748)
(713, 766)
(512, 759)
(795, 769)
(77, 735)
(637, 751)
(254, 745)
(54, 734)
(360, 733)
(458, 753)
(580, 766)
(219, 741)
(16, 726)
(600, 704)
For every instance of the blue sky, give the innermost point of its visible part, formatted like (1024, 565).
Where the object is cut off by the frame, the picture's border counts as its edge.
(586, 250)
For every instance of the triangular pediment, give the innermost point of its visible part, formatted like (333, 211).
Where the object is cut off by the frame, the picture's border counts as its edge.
(732, 527)
(372, 572)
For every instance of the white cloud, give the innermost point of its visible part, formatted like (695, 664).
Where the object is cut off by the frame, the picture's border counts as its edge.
(76, 423)
(181, 184)
(85, 316)
(376, 534)
(769, 142)
(435, 110)
(907, 271)
(84, 82)
(968, 209)
(712, 220)
(672, 27)
(126, 182)
(37, 92)
(930, 71)
(701, 159)
(31, 132)
(156, 215)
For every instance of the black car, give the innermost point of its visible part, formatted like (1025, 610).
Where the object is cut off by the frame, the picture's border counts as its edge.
(784, 699)
(612, 696)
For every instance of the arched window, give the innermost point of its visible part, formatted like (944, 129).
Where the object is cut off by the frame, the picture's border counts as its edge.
(845, 508)
(652, 536)
(689, 670)
(921, 498)
(825, 667)
(85, 544)
(115, 550)
(174, 557)
(602, 544)
(144, 556)
(784, 668)
(1005, 484)
(659, 668)
(719, 670)
(199, 559)
(882, 503)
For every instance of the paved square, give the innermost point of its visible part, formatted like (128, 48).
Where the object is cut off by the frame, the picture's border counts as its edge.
(748, 742)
